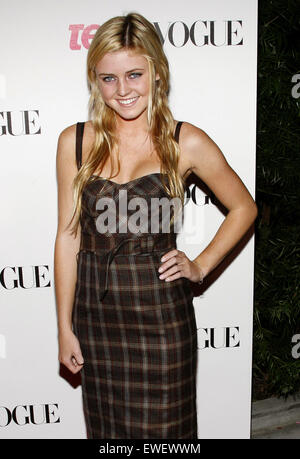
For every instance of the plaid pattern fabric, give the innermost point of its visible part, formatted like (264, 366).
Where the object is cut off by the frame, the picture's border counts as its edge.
(137, 332)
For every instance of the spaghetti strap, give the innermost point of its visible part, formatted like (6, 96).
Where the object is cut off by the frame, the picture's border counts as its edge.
(177, 131)
(79, 137)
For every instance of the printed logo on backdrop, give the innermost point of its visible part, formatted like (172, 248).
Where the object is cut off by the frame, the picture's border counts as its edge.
(29, 414)
(178, 33)
(20, 122)
(27, 277)
(199, 198)
(218, 338)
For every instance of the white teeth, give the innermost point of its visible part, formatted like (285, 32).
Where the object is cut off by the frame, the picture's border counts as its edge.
(128, 101)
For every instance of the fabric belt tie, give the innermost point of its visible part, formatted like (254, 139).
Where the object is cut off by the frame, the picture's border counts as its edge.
(132, 246)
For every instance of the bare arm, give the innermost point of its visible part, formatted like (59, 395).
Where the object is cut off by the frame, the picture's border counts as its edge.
(66, 248)
(207, 161)
(210, 165)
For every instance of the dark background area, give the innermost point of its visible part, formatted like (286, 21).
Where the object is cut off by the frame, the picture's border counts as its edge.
(277, 228)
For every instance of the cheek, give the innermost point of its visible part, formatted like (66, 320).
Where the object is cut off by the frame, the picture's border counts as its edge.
(106, 91)
(142, 87)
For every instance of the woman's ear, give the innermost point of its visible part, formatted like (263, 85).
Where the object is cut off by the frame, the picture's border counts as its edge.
(157, 77)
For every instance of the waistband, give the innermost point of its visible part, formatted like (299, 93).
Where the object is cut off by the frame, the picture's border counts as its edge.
(133, 244)
(106, 248)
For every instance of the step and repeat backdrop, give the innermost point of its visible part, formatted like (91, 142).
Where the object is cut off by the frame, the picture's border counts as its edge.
(212, 51)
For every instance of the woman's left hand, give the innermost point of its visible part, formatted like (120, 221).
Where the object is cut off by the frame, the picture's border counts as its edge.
(175, 264)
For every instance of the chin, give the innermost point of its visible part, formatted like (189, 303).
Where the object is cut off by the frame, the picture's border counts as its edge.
(130, 116)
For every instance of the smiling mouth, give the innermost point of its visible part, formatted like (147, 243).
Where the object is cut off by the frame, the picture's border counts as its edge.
(127, 102)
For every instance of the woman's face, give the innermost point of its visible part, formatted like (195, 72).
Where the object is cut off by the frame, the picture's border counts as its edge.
(123, 80)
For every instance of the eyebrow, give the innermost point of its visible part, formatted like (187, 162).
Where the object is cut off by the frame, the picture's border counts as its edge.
(129, 71)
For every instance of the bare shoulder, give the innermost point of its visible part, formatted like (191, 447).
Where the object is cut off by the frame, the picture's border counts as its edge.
(199, 150)
(191, 133)
(194, 139)
(67, 138)
(68, 135)
(66, 153)
(66, 148)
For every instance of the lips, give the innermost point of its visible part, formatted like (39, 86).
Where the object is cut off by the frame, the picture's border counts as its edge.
(128, 102)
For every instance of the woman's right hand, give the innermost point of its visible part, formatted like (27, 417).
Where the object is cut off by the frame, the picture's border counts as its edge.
(69, 351)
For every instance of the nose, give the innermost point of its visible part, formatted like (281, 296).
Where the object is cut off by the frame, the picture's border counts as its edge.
(123, 88)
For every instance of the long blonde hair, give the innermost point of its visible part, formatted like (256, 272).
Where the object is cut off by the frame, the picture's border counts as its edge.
(135, 33)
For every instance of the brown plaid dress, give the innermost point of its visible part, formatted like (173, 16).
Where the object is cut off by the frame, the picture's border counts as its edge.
(137, 333)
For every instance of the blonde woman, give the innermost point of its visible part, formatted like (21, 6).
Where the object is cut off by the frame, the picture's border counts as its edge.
(124, 299)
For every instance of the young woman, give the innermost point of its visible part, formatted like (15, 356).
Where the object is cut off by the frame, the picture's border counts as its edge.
(124, 299)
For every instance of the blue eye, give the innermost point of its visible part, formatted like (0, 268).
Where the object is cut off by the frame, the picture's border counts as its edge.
(135, 75)
(107, 79)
